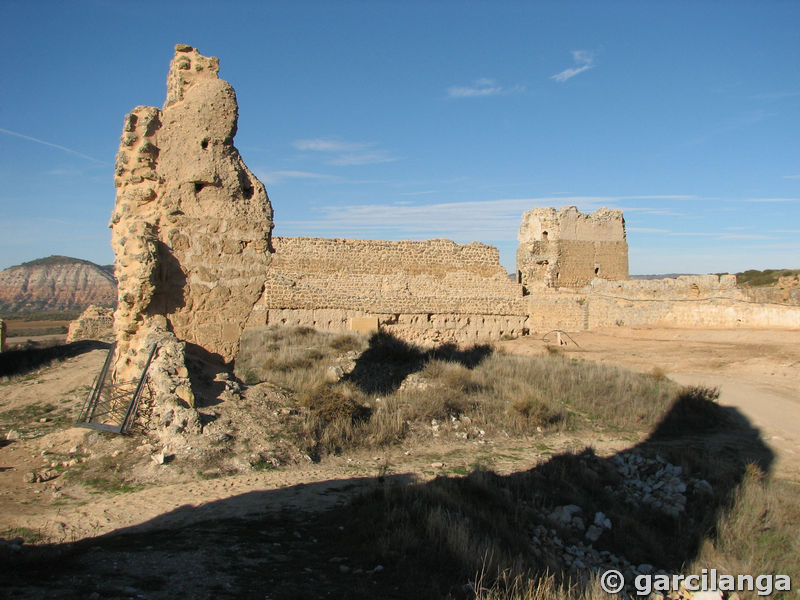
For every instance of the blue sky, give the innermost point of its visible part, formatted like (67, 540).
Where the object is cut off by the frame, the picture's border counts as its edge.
(418, 120)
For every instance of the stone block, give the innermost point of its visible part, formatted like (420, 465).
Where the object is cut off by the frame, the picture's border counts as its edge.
(365, 325)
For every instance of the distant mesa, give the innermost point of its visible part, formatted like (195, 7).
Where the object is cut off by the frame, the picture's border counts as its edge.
(56, 283)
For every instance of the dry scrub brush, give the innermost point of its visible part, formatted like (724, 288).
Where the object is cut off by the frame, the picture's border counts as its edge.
(545, 587)
(396, 390)
(759, 533)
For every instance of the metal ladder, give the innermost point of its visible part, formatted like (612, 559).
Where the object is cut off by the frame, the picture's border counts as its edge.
(112, 406)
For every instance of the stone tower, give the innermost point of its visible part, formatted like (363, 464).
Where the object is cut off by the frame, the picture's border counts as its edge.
(567, 248)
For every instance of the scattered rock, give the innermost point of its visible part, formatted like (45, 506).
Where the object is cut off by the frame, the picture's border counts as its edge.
(33, 477)
(602, 521)
(334, 374)
(593, 533)
(564, 514)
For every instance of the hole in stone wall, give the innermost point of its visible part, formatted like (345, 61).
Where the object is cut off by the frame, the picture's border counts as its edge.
(544, 235)
(596, 270)
(198, 187)
(246, 185)
(204, 143)
(519, 276)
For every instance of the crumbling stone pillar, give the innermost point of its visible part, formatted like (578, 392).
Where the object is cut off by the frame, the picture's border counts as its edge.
(191, 227)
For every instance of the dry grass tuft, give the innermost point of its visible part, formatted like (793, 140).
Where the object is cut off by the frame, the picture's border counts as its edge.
(658, 373)
(294, 358)
(759, 533)
(546, 587)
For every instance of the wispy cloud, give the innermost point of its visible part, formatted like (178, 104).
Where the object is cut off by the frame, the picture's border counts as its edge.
(741, 121)
(778, 246)
(329, 145)
(63, 172)
(271, 177)
(584, 61)
(342, 153)
(791, 177)
(646, 230)
(708, 234)
(490, 220)
(420, 193)
(481, 88)
(775, 95)
(693, 234)
(767, 200)
(744, 236)
(371, 157)
(51, 145)
(661, 197)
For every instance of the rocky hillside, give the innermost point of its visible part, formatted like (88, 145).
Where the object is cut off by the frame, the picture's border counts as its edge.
(56, 283)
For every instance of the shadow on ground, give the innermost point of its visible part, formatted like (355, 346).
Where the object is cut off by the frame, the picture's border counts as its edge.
(400, 539)
(388, 360)
(19, 362)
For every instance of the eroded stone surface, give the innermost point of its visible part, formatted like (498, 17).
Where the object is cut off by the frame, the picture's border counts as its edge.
(95, 323)
(191, 226)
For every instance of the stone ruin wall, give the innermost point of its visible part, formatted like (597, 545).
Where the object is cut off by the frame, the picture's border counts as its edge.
(574, 268)
(438, 291)
(692, 301)
(95, 323)
(567, 248)
(785, 291)
(427, 292)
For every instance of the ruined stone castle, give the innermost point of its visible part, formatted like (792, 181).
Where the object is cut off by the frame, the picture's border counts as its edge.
(197, 264)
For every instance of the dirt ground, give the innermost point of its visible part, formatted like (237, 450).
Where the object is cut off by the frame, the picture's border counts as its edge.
(756, 371)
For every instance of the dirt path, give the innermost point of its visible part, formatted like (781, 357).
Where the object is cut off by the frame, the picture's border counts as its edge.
(775, 413)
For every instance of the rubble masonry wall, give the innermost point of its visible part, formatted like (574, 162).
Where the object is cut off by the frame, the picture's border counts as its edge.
(425, 291)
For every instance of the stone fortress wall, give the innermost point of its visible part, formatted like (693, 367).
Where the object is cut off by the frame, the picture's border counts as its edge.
(691, 301)
(438, 291)
(431, 291)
